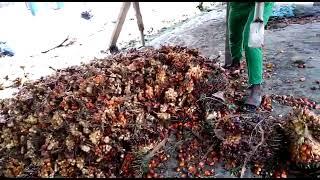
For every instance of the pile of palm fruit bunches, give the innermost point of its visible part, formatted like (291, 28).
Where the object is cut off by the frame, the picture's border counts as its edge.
(115, 117)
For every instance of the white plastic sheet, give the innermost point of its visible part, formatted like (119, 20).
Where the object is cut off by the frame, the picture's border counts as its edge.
(256, 38)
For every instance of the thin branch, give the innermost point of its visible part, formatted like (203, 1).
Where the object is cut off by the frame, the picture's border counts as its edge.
(155, 149)
(56, 70)
(60, 45)
(208, 151)
(243, 169)
(212, 98)
(196, 134)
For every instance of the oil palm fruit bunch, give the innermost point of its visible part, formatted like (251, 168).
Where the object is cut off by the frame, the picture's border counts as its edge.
(258, 135)
(230, 131)
(303, 128)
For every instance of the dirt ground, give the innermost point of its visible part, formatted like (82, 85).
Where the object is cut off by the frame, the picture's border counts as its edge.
(285, 48)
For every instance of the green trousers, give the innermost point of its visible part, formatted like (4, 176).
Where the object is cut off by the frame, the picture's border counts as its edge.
(240, 18)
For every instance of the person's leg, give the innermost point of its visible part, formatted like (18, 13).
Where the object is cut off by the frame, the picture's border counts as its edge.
(238, 16)
(254, 58)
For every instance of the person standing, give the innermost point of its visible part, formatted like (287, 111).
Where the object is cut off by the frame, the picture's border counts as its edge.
(240, 17)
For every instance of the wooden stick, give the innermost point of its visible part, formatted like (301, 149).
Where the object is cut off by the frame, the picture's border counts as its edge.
(227, 55)
(139, 21)
(121, 18)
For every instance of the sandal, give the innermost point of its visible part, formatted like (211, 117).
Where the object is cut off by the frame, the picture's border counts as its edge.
(254, 99)
(233, 66)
